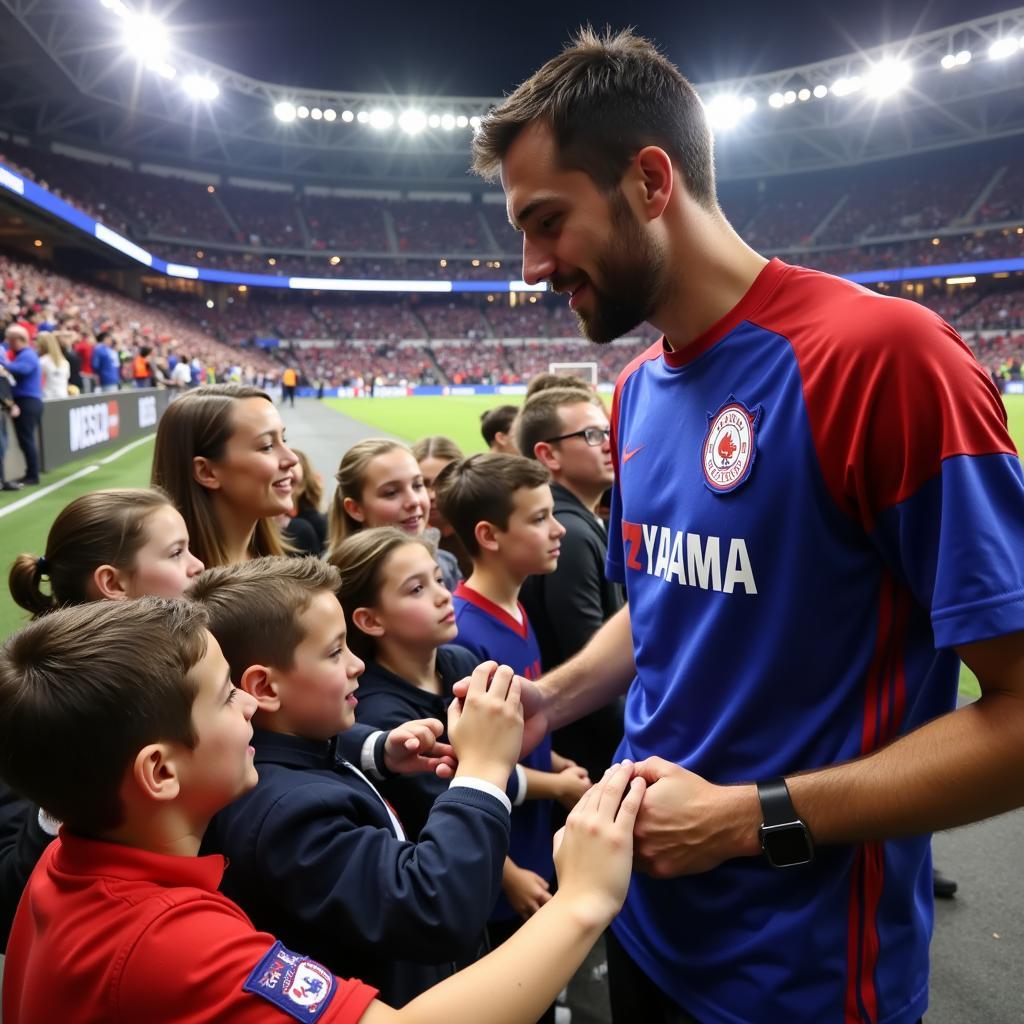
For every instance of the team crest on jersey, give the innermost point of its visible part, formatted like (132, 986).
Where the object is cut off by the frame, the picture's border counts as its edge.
(293, 983)
(730, 445)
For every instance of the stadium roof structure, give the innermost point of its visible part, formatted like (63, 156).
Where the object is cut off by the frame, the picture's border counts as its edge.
(66, 76)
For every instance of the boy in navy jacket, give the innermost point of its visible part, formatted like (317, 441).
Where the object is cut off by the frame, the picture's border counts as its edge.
(315, 854)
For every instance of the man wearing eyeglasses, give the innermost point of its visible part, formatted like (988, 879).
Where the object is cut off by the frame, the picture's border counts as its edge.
(566, 429)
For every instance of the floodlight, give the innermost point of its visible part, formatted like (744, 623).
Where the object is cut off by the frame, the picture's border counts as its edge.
(776, 100)
(462, 121)
(381, 119)
(303, 112)
(163, 69)
(363, 116)
(726, 111)
(948, 62)
(434, 120)
(316, 113)
(749, 104)
(803, 95)
(412, 122)
(200, 88)
(448, 122)
(1003, 48)
(330, 114)
(963, 57)
(146, 38)
(789, 96)
(888, 77)
(845, 86)
(475, 122)
(820, 92)
(284, 111)
(347, 116)
(117, 6)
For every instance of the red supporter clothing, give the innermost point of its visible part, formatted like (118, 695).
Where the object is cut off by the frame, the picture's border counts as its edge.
(109, 933)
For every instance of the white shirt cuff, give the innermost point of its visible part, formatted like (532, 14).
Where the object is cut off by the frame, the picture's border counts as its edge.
(467, 782)
(522, 787)
(367, 761)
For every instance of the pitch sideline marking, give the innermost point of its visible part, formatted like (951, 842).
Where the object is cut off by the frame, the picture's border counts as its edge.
(84, 471)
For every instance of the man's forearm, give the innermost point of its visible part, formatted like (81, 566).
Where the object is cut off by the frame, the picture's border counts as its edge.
(960, 768)
(593, 678)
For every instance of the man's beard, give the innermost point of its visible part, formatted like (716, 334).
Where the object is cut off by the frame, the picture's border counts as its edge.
(631, 274)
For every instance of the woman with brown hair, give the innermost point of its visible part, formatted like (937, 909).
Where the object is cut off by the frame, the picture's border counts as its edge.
(433, 454)
(309, 497)
(221, 456)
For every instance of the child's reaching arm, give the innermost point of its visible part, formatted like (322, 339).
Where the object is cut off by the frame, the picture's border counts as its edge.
(522, 977)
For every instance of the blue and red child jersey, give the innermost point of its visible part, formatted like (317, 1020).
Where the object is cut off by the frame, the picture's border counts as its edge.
(493, 635)
(816, 501)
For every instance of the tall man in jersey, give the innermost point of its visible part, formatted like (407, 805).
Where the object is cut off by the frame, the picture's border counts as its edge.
(817, 509)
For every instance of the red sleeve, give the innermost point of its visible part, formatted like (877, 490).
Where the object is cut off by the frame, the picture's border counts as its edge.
(891, 391)
(202, 962)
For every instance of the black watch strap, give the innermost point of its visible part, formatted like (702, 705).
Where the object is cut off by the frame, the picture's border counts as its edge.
(776, 805)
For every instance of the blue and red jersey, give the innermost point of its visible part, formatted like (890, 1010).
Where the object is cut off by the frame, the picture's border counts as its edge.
(816, 501)
(493, 635)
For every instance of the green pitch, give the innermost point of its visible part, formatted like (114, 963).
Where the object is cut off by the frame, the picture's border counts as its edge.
(412, 418)
(408, 418)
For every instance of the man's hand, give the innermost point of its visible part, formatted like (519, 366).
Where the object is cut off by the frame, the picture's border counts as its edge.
(687, 825)
(525, 890)
(414, 747)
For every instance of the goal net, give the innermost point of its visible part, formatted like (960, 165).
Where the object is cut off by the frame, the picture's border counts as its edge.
(588, 371)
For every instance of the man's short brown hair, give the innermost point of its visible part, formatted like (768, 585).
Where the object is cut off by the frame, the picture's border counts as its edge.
(254, 607)
(84, 689)
(540, 417)
(606, 97)
(481, 489)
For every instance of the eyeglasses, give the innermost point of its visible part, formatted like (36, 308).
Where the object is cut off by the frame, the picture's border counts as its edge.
(594, 436)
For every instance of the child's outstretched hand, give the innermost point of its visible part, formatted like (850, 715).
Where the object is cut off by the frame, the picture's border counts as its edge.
(594, 851)
(415, 747)
(486, 725)
(525, 890)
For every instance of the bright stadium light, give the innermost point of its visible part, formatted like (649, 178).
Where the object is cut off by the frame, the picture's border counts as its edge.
(381, 119)
(303, 112)
(963, 57)
(475, 122)
(776, 100)
(330, 114)
(118, 7)
(1003, 48)
(412, 122)
(347, 116)
(888, 77)
(820, 92)
(284, 111)
(448, 122)
(434, 120)
(146, 38)
(948, 62)
(846, 86)
(363, 116)
(200, 88)
(727, 111)
(789, 96)
(317, 114)
(462, 121)
(803, 95)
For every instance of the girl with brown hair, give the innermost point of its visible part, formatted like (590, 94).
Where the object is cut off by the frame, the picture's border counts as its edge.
(221, 456)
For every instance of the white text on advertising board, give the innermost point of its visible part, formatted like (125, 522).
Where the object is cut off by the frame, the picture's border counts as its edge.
(90, 425)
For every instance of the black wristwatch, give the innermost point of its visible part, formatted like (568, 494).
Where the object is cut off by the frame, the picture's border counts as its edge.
(785, 839)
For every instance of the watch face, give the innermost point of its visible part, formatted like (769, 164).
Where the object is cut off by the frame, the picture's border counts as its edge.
(787, 845)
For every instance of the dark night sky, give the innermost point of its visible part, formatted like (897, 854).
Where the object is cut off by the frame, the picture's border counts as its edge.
(484, 48)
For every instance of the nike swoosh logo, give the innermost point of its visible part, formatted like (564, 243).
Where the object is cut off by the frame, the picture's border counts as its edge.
(626, 456)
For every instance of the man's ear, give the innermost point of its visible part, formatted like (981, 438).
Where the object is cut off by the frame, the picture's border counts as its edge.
(204, 473)
(547, 456)
(486, 535)
(368, 622)
(655, 176)
(354, 509)
(258, 681)
(110, 583)
(155, 772)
